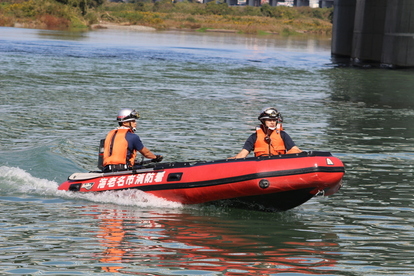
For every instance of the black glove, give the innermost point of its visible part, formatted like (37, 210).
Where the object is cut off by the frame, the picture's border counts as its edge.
(158, 158)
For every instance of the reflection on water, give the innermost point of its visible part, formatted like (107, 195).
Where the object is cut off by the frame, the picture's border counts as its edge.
(199, 244)
(373, 87)
(62, 35)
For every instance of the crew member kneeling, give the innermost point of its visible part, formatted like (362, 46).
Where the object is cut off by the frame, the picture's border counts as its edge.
(122, 144)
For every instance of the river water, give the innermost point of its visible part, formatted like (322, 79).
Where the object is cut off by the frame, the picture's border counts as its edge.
(199, 95)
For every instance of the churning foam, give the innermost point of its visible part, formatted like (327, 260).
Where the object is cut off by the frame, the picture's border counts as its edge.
(17, 181)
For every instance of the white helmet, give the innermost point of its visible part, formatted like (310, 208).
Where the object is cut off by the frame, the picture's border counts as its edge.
(126, 115)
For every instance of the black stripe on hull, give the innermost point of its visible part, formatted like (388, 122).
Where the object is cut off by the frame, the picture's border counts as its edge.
(241, 178)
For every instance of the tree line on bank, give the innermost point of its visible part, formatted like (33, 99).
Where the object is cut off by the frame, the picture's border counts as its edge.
(164, 14)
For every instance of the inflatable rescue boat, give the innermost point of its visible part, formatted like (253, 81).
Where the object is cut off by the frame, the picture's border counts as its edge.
(272, 183)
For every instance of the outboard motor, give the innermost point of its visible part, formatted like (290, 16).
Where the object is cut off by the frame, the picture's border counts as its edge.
(100, 154)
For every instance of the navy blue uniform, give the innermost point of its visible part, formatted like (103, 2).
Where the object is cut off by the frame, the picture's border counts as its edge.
(134, 143)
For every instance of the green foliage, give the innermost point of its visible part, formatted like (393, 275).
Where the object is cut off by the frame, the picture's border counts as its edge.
(86, 3)
(279, 12)
(249, 11)
(218, 9)
(202, 30)
(48, 13)
(317, 13)
(139, 6)
(288, 32)
(32, 9)
(163, 6)
(21, 10)
(136, 17)
(91, 18)
(262, 33)
(323, 13)
(188, 8)
(191, 19)
(131, 17)
(82, 5)
(266, 10)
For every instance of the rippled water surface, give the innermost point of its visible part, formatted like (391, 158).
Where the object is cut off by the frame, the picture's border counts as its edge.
(199, 96)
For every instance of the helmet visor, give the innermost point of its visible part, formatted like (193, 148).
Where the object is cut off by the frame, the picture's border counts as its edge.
(134, 115)
(131, 116)
(272, 114)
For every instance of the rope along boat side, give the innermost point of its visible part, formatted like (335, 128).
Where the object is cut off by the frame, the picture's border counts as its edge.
(274, 183)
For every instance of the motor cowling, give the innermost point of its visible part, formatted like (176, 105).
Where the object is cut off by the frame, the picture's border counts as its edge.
(101, 153)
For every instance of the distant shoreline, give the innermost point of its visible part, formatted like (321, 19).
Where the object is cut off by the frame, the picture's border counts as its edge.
(165, 15)
(108, 25)
(141, 28)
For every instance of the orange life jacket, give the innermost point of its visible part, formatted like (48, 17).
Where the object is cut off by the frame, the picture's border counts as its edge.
(116, 148)
(276, 145)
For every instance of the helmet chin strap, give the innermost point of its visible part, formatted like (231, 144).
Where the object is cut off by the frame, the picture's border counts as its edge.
(271, 128)
(132, 128)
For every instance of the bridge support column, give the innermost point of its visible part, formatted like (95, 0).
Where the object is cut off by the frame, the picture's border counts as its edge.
(369, 30)
(343, 27)
(326, 3)
(300, 3)
(231, 2)
(374, 31)
(398, 46)
(273, 3)
(254, 3)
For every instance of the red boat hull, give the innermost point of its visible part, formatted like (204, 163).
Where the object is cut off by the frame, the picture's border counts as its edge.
(267, 183)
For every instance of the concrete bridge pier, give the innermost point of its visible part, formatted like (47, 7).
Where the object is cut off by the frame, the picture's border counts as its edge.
(374, 31)
(230, 2)
(300, 3)
(326, 3)
(273, 3)
(398, 42)
(254, 3)
(368, 35)
(343, 27)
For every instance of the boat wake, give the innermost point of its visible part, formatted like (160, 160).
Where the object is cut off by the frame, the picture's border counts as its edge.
(17, 182)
